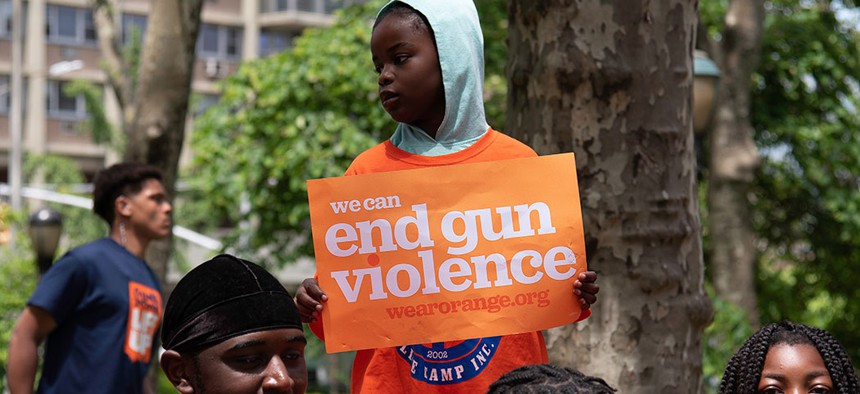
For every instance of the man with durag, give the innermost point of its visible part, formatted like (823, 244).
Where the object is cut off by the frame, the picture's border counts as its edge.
(231, 327)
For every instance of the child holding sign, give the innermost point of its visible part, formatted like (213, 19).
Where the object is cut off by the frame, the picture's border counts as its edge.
(429, 57)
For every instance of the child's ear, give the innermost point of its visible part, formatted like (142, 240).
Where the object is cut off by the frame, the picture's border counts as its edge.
(178, 371)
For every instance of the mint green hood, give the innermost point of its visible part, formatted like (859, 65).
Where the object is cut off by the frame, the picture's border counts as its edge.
(460, 45)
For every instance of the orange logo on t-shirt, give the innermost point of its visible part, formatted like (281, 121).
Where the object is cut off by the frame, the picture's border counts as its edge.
(144, 315)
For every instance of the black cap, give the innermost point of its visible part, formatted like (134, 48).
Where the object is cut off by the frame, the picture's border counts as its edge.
(223, 298)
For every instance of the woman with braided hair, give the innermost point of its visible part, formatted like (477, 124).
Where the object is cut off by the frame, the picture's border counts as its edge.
(790, 357)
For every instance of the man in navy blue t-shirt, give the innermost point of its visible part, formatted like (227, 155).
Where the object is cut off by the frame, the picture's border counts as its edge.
(99, 307)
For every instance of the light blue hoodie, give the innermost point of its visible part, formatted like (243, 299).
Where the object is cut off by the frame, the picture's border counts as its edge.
(460, 45)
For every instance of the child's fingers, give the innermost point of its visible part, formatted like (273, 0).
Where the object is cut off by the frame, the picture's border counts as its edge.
(313, 290)
(583, 304)
(589, 288)
(308, 300)
(587, 277)
(587, 299)
(587, 292)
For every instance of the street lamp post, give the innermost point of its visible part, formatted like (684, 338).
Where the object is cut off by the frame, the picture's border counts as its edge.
(45, 228)
(706, 76)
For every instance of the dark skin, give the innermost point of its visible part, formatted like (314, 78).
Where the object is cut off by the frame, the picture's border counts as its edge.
(411, 91)
(794, 369)
(410, 78)
(270, 361)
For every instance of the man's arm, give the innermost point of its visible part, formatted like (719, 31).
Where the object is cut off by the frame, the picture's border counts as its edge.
(30, 330)
(147, 383)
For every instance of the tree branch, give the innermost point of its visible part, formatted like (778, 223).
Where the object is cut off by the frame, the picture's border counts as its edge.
(109, 39)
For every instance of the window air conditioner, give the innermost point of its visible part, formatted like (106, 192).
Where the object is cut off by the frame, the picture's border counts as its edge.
(213, 68)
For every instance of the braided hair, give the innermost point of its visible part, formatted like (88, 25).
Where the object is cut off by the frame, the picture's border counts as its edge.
(743, 372)
(548, 379)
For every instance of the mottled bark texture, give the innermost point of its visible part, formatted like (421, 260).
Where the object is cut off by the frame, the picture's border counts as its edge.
(611, 82)
(734, 159)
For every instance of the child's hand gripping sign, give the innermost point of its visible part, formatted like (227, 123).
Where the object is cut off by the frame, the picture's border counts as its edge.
(448, 253)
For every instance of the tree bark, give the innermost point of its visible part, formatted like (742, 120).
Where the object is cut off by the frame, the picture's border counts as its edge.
(612, 83)
(118, 69)
(108, 31)
(734, 159)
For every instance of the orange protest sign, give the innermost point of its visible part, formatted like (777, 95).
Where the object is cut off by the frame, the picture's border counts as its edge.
(448, 253)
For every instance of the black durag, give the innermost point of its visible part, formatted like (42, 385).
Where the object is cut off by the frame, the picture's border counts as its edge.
(223, 298)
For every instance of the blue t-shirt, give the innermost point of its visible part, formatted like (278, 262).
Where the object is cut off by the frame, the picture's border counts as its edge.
(107, 306)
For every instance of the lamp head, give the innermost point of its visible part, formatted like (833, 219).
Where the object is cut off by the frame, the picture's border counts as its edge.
(706, 75)
(45, 229)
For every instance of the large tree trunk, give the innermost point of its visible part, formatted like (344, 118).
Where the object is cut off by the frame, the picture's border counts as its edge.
(612, 83)
(734, 159)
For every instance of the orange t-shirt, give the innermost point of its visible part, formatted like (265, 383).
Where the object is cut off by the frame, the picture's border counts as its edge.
(468, 366)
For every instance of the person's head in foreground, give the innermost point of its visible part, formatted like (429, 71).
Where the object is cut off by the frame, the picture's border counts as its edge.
(549, 379)
(231, 327)
(787, 358)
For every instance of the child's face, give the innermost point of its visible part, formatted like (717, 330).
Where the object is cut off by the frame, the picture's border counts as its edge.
(410, 78)
(794, 369)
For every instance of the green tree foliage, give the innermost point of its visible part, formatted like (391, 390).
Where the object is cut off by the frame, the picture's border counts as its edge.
(298, 115)
(723, 337)
(281, 120)
(806, 199)
(494, 24)
(100, 128)
(17, 280)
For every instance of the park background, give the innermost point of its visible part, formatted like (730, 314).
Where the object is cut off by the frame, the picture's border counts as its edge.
(699, 236)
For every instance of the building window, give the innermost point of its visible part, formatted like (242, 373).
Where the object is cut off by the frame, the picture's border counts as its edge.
(133, 24)
(89, 28)
(61, 105)
(5, 89)
(331, 5)
(204, 101)
(208, 39)
(274, 41)
(234, 43)
(6, 94)
(310, 6)
(314, 6)
(5, 18)
(67, 25)
(219, 41)
(274, 5)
